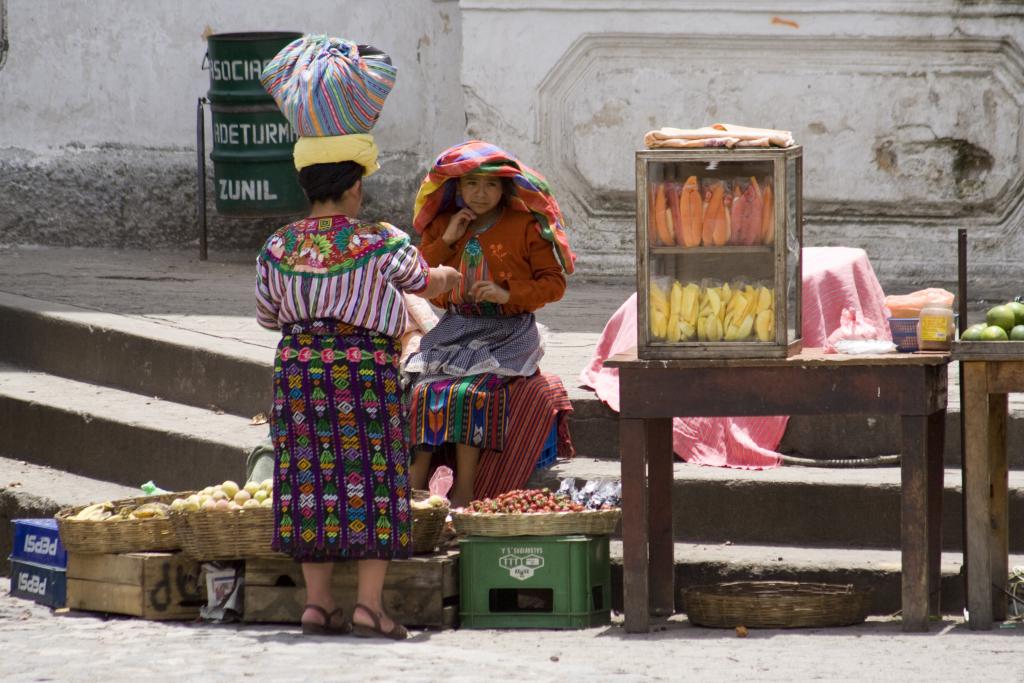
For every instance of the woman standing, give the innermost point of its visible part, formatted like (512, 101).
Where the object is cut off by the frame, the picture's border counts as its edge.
(333, 285)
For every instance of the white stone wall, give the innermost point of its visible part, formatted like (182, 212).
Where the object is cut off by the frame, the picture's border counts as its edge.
(910, 112)
(98, 109)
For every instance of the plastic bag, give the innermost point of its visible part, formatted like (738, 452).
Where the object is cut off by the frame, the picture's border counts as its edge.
(567, 487)
(151, 489)
(441, 482)
(225, 583)
(857, 336)
(910, 305)
(607, 495)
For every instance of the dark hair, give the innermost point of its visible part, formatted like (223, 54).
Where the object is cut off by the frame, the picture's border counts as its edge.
(327, 182)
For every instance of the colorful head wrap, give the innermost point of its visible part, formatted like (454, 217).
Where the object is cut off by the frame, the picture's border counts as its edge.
(531, 191)
(323, 85)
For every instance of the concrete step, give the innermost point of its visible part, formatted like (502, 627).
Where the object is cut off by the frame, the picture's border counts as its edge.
(31, 491)
(224, 362)
(119, 436)
(804, 506)
(874, 571)
(206, 369)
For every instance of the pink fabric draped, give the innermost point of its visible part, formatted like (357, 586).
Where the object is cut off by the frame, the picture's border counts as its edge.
(833, 278)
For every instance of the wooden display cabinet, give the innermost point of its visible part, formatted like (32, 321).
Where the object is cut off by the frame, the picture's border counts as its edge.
(718, 253)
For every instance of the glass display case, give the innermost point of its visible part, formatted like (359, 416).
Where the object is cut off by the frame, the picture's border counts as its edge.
(718, 253)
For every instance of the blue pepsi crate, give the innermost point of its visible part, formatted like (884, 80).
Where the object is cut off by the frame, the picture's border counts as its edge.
(39, 583)
(549, 453)
(37, 540)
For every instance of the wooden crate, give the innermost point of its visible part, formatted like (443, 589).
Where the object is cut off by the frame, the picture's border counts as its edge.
(156, 586)
(422, 591)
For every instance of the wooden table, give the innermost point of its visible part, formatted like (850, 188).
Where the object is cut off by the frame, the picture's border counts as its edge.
(991, 370)
(812, 383)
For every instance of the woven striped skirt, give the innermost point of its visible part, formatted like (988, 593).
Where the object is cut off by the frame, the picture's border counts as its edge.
(509, 418)
(340, 445)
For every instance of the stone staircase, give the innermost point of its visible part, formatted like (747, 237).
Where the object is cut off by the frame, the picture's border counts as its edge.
(96, 400)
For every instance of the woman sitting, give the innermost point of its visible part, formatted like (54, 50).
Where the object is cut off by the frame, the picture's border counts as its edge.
(476, 383)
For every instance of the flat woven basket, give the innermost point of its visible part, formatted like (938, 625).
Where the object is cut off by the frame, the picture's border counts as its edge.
(590, 522)
(775, 604)
(427, 524)
(120, 536)
(226, 534)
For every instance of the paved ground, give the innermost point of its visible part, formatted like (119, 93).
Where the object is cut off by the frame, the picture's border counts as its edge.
(39, 646)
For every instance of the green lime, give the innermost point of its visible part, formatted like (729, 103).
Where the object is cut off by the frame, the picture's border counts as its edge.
(994, 333)
(1001, 316)
(972, 333)
(1018, 312)
(1017, 333)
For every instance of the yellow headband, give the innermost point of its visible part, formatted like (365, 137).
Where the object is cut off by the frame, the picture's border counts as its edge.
(331, 149)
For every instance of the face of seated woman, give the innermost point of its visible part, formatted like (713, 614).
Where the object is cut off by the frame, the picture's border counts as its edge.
(481, 193)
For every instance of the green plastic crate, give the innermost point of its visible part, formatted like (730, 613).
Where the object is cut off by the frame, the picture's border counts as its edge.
(534, 582)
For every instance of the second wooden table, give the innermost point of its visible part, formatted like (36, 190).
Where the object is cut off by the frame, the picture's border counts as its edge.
(912, 386)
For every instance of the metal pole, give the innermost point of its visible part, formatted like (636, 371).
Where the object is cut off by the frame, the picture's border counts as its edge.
(201, 177)
(961, 295)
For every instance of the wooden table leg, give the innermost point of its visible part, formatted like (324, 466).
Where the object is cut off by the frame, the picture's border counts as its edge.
(659, 515)
(999, 540)
(977, 501)
(914, 528)
(635, 533)
(936, 476)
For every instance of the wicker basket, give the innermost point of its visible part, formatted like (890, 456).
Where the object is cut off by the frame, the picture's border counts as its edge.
(775, 604)
(591, 522)
(120, 536)
(427, 525)
(226, 534)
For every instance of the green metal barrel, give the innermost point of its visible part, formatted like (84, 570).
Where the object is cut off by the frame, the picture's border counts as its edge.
(254, 174)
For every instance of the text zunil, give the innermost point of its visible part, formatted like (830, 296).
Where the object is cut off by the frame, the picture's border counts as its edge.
(246, 189)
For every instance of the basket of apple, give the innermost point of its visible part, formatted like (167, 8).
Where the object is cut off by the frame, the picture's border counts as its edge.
(429, 513)
(226, 521)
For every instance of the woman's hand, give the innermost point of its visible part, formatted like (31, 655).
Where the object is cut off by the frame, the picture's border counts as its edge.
(442, 279)
(485, 290)
(457, 226)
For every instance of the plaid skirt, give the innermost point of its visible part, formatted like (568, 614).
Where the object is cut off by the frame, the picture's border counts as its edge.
(341, 454)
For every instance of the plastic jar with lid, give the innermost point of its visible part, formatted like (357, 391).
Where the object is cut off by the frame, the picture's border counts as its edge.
(935, 327)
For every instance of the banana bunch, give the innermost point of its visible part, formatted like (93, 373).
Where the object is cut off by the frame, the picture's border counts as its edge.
(764, 323)
(727, 313)
(683, 309)
(711, 313)
(659, 301)
(149, 511)
(734, 313)
(97, 512)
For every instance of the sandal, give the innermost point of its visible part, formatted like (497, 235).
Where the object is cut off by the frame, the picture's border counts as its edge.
(328, 628)
(397, 632)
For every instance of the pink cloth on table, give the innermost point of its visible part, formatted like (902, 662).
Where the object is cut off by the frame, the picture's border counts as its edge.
(836, 278)
(833, 278)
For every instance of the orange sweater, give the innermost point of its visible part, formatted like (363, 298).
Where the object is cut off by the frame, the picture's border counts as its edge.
(519, 259)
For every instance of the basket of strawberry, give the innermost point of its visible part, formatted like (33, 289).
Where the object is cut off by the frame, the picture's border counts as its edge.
(533, 512)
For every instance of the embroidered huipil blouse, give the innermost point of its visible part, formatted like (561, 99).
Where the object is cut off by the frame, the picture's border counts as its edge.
(510, 253)
(339, 268)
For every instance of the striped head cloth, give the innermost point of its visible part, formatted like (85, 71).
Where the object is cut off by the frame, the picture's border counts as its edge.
(530, 191)
(324, 86)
